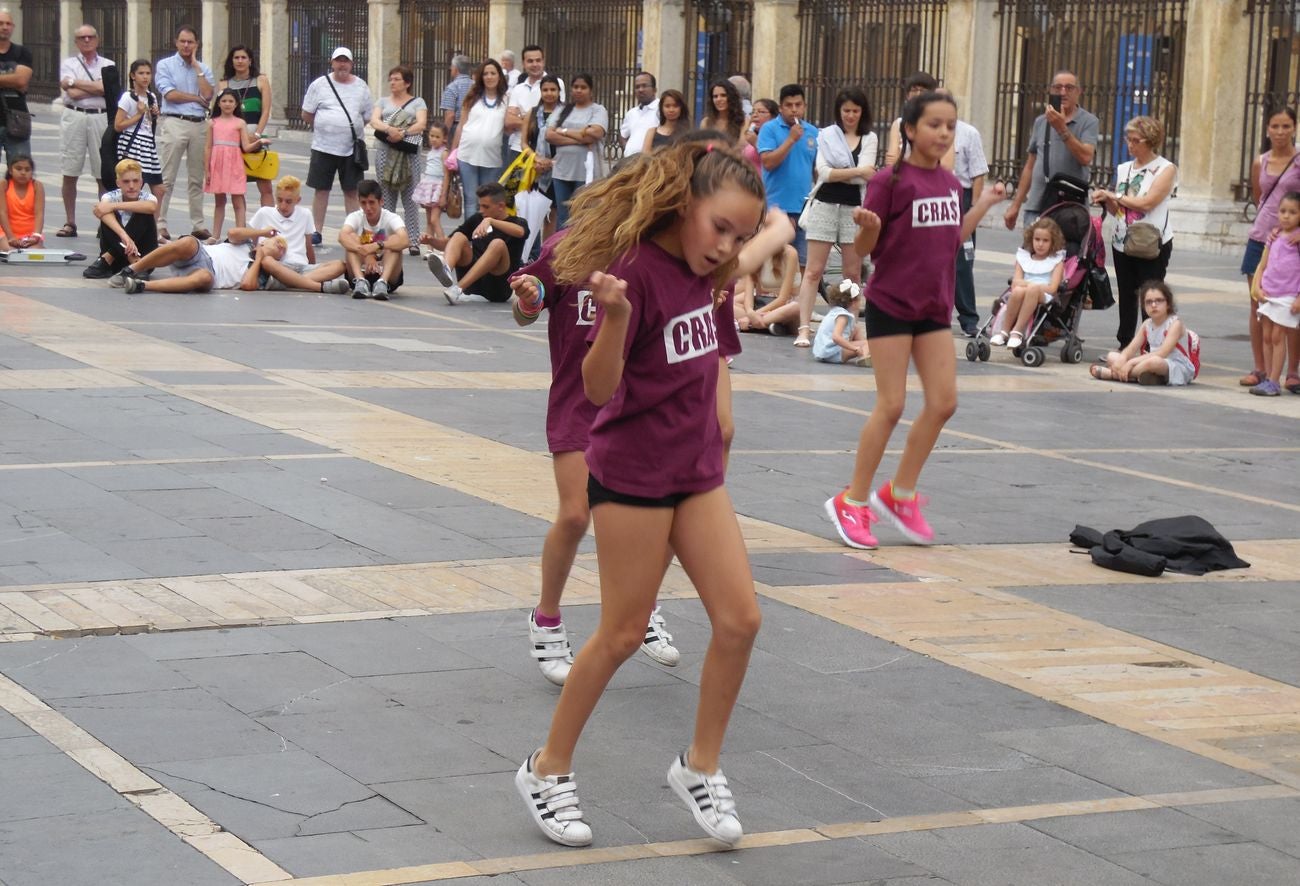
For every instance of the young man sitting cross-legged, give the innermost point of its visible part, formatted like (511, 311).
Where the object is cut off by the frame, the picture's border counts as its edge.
(198, 267)
(482, 253)
(374, 240)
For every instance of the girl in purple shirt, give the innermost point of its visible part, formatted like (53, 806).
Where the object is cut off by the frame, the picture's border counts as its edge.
(912, 226)
(655, 452)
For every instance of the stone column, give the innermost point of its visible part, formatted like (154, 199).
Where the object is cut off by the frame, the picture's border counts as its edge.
(139, 33)
(385, 46)
(970, 67)
(776, 45)
(273, 55)
(505, 27)
(664, 42)
(1205, 215)
(70, 19)
(214, 31)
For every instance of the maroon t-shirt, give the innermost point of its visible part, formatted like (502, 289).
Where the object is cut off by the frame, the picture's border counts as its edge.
(569, 413)
(915, 257)
(658, 435)
(724, 321)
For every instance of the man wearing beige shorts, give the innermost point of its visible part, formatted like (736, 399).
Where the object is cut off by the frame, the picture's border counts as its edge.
(83, 121)
(186, 85)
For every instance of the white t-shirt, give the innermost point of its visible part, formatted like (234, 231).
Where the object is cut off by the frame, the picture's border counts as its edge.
(389, 223)
(330, 132)
(296, 229)
(115, 196)
(480, 134)
(228, 264)
(636, 124)
(525, 96)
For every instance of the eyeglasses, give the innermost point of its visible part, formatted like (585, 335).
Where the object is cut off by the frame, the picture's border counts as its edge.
(1065, 87)
(1152, 302)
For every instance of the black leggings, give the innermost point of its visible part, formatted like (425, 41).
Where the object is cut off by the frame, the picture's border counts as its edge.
(142, 228)
(1130, 273)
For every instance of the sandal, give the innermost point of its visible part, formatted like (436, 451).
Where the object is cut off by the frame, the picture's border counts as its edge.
(1252, 378)
(1293, 384)
(1101, 373)
(1016, 340)
(68, 230)
(801, 340)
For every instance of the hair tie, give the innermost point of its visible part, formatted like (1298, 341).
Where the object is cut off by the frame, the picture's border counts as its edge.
(708, 149)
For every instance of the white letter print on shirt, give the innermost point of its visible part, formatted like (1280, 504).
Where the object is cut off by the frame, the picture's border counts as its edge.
(937, 212)
(586, 308)
(690, 335)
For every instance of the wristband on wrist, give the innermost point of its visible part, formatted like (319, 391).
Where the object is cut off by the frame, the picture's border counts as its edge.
(534, 310)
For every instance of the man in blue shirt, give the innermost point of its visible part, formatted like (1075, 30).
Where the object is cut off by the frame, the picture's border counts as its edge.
(186, 85)
(788, 147)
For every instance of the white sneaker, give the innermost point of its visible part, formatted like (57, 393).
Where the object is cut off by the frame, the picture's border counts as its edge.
(551, 649)
(380, 290)
(337, 286)
(360, 288)
(453, 295)
(709, 799)
(553, 803)
(658, 643)
(444, 274)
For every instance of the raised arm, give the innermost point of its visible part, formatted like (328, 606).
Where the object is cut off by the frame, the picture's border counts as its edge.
(602, 368)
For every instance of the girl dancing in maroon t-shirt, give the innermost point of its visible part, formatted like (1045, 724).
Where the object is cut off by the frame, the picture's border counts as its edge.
(655, 452)
(912, 225)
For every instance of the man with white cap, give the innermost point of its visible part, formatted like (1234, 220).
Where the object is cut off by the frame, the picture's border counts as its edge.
(336, 106)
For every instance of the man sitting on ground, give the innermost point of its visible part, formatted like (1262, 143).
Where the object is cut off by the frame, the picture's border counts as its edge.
(198, 267)
(292, 222)
(482, 253)
(128, 226)
(374, 240)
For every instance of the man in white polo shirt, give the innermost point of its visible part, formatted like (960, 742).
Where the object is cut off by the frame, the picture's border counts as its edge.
(644, 115)
(524, 97)
(83, 121)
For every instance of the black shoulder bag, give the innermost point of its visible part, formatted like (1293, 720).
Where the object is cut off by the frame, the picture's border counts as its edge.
(360, 158)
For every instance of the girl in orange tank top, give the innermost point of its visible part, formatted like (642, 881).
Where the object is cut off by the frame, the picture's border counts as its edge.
(22, 212)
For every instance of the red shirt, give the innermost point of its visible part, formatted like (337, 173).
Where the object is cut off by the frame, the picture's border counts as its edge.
(658, 435)
(915, 257)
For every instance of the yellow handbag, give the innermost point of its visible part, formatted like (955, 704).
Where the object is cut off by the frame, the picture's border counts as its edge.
(262, 165)
(519, 176)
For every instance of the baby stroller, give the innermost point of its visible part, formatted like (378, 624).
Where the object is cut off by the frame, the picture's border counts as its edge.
(1060, 319)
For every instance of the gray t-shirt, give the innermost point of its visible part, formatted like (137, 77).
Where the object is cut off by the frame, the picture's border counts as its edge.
(1082, 126)
(571, 160)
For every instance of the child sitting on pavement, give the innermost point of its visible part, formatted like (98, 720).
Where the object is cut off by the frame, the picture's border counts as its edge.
(1161, 352)
(840, 337)
(22, 208)
(374, 240)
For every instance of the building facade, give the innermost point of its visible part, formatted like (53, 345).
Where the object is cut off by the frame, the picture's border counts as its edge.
(1210, 70)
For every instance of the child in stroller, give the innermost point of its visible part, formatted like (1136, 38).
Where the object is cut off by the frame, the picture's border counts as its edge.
(1038, 275)
(1058, 319)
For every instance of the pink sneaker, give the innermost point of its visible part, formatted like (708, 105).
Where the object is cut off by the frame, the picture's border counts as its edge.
(906, 515)
(852, 522)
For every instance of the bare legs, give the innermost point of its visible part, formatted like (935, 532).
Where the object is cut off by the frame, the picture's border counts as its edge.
(567, 531)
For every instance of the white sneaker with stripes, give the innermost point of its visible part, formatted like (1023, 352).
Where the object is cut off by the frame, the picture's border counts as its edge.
(709, 799)
(551, 648)
(658, 643)
(553, 803)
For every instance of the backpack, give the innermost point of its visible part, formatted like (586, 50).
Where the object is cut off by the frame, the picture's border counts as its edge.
(1192, 352)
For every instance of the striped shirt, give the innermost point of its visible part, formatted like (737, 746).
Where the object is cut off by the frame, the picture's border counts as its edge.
(454, 96)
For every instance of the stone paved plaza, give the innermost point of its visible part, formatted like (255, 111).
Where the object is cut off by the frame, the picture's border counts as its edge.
(265, 560)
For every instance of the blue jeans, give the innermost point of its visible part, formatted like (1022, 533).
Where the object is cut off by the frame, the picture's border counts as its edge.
(800, 238)
(471, 177)
(12, 147)
(564, 191)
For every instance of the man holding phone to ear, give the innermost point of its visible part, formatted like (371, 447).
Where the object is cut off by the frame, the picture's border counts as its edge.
(1063, 140)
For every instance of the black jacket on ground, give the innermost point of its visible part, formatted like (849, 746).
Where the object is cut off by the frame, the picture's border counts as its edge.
(1188, 544)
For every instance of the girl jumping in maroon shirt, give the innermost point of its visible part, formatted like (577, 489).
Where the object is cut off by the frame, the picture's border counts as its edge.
(912, 226)
(655, 452)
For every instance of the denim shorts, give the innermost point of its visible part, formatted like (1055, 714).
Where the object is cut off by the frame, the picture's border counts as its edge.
(1250, 261)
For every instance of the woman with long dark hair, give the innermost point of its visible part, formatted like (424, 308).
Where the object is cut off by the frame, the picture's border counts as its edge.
(253, 89)
(477, 143)
(574, 131)
(725, 112)
(674, 119)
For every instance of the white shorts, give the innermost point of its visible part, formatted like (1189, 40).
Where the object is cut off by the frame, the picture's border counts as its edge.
(79, 137)
(1280, 313)
(830, 223)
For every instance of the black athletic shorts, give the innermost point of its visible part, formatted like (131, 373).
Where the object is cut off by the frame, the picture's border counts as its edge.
(881, 324)
(493, 287)
(324, 167)
(599, 494)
